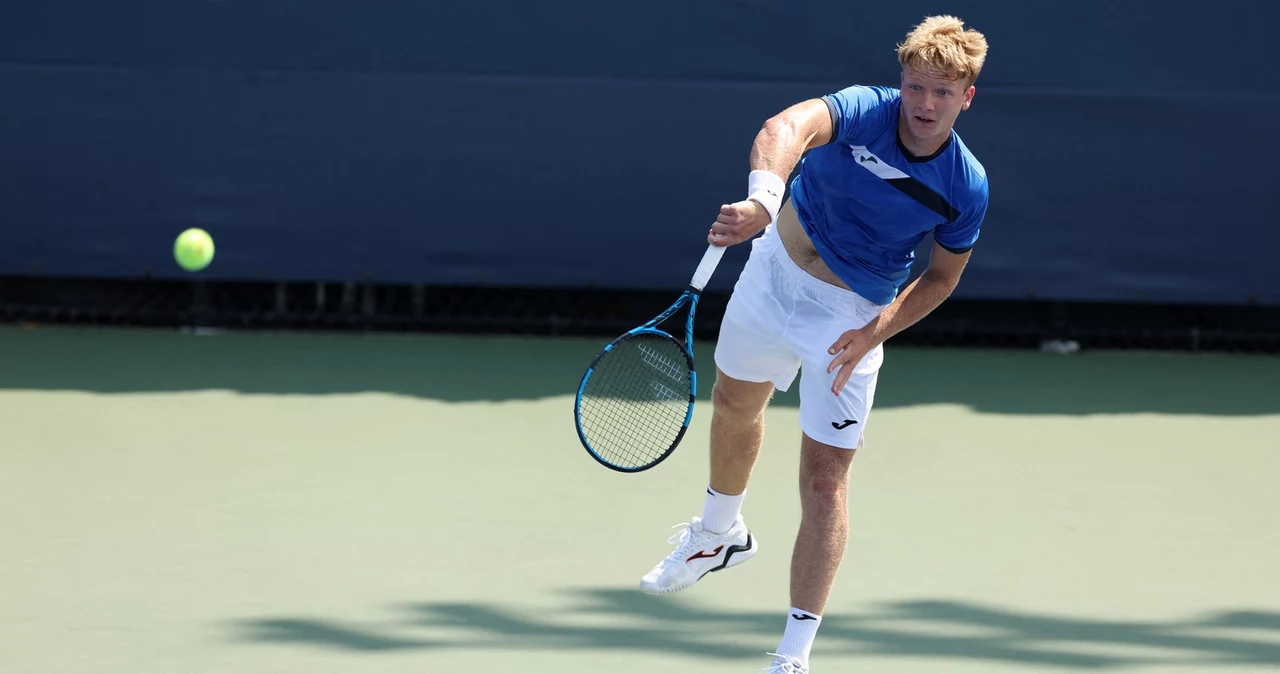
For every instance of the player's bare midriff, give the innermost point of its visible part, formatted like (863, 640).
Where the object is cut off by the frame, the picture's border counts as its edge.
(800, 248)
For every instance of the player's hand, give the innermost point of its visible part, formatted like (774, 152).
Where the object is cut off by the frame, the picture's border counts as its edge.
(737, 223)
(848, 351)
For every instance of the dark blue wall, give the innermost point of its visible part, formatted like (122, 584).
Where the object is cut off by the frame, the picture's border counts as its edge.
(1129, 144)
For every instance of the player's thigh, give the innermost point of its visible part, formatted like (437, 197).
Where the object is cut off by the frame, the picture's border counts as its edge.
(838, 420)
(822, 314)
(750, 350)
(752, 347)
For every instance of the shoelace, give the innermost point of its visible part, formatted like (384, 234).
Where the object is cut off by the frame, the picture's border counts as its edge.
(678, 536)
(789, 665)
(685, 537)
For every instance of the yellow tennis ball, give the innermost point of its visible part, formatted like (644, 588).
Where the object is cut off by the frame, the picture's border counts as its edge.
(194, 249)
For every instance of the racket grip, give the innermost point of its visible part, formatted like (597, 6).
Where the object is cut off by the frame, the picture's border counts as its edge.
(708, 265)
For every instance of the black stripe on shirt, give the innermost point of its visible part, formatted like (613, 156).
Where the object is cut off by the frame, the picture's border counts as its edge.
(926, 196)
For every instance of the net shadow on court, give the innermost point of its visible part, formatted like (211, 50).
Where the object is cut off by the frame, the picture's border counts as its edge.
(952, 630)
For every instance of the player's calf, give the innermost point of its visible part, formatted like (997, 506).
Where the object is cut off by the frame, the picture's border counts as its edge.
(824, 523)
(737, 429)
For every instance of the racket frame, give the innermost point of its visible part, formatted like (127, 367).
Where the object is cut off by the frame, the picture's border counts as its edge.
(710, 259)
(690, 296)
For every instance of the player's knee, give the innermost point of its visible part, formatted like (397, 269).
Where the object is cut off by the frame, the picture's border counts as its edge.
(822, 500)
(724, 400)
(824, 487)
(737, 398)
(824, 492)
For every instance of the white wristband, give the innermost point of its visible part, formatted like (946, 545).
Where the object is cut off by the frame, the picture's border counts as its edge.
(767, 188)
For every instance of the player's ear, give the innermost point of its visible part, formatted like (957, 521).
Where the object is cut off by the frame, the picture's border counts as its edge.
(968, 97)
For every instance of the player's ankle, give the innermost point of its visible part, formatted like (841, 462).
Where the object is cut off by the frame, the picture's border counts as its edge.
(797, 640)
(720, 511)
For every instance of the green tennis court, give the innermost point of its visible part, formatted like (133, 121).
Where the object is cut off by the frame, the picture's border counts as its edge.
(259, 502)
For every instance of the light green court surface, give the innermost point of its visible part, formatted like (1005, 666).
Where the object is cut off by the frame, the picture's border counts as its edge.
(258, 503)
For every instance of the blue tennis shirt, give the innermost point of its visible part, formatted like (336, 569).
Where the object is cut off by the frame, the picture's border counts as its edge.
(867, 203)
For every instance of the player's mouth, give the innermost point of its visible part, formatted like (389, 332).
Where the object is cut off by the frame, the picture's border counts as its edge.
(925, 120)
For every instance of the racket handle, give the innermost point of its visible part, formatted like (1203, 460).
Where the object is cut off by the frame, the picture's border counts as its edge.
(708, 265)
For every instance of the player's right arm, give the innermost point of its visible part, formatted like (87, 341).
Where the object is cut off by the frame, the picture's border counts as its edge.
(788, 135)
(778, 146)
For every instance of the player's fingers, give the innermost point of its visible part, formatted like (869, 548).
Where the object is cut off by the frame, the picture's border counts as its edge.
(838, 361)
(842, 378)
(841, 343)
(731, 231)
(720, 235)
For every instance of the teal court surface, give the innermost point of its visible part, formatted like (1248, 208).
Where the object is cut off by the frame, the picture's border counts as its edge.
(321, 503)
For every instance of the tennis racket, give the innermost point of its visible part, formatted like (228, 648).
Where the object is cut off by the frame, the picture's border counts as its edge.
(636, 398)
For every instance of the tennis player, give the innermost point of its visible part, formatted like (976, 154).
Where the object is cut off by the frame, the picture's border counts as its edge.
(821, 292)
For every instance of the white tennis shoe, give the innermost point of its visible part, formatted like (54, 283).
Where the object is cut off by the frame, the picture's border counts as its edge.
(698, 553)
(783, 664)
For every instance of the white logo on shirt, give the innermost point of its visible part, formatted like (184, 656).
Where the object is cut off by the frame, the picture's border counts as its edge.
(869, 161)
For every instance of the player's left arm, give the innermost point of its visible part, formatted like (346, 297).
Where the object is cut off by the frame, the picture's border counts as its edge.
(921, 296)
(916, 301)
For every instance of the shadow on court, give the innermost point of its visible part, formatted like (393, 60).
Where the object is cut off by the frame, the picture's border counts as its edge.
(466, 369)
(939, 629)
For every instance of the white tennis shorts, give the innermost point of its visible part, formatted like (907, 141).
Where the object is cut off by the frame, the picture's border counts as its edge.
(780, 321)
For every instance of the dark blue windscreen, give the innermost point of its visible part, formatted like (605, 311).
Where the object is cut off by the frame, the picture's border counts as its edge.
(582, 143)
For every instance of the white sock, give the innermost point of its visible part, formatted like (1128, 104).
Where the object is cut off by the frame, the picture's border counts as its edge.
(797, 641)
(720, 511)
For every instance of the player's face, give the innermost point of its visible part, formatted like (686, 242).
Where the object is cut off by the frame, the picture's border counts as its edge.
(931, 102)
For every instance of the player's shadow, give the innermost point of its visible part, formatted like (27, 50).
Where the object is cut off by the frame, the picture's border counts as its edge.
(627, 621)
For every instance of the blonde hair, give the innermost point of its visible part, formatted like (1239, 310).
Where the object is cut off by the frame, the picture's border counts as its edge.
(943, 44)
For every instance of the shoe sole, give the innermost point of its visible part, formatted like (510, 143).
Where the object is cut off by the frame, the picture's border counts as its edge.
(749, 548)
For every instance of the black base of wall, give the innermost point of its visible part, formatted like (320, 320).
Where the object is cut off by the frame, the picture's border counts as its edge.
(600, 313)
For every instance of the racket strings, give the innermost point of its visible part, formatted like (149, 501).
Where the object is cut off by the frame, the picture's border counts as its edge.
(636, 401)
(630, 433)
